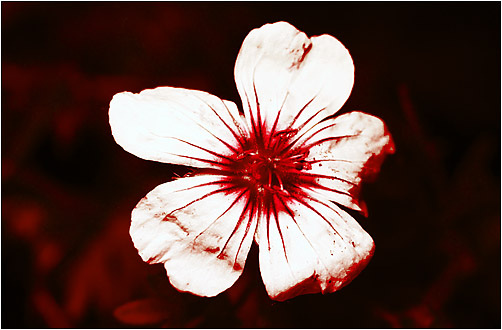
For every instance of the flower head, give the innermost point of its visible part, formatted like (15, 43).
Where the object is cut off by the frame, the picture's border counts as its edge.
(274, 174)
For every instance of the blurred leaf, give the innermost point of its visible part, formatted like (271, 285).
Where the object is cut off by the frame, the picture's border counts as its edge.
(108, 272)
(146, 311)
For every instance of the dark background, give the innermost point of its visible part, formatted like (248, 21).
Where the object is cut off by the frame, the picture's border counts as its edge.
(430, 70)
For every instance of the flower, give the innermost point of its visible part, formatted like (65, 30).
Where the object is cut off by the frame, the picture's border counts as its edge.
(273, 175)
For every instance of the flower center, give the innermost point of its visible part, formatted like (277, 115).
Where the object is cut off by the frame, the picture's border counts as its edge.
(270, 169)
(258, 171)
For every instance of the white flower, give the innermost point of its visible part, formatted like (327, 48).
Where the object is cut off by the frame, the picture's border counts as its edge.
(272, 175)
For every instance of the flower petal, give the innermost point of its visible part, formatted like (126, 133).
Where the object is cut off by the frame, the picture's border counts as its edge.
(200, 228)
(310, 246)
(287, 81)
(345, 150)
(176, 125)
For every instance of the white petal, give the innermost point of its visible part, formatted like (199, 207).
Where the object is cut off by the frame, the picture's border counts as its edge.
(199, 228)
(281, 74)
(311, 246)
(344, 151)
(176, 125)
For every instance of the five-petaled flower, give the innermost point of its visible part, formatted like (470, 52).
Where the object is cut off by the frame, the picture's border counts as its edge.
(273, 174)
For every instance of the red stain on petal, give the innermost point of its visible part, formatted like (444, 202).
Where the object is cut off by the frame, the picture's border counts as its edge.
(212, 250)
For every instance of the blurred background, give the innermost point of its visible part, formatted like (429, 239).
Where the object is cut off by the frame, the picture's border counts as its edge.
(430, 70)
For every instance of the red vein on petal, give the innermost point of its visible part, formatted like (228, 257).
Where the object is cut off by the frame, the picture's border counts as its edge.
(226, 181)
(253, 124)
(261, 124)
(276, 218)
(196, 158)
(237, 125)
(291, 144)
(332, 138)
(301, 111)
(313, 134)
(201, 148)
(332, 160)
(352, 203)
(197, 122)
(315, 200)
(267, 211)
(351, 241)
(274, 126)
(340, 192)
(310, 119)
(237, 225)
(214, 192)
(228, 209)
(315, 176)
(281, 138)
(248, 225)
(292, 216)
(229, 146)
(236, 136)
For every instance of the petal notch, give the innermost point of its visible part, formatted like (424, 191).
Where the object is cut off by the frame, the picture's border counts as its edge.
(199, 229)
(290, 82)
(314, 245)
